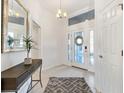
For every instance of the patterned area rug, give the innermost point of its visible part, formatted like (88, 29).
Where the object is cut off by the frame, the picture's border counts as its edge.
(67, 85)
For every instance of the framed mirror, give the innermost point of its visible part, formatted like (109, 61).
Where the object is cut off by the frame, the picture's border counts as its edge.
(14, 26)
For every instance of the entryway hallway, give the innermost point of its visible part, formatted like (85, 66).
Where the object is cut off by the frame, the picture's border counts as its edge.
(64, 71)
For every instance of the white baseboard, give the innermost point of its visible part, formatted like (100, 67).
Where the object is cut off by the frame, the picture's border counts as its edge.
(67, 64)
(50, 67)
(97, 91)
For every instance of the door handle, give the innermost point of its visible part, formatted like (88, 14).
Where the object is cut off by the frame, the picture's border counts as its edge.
(122, 53)
(100, 56)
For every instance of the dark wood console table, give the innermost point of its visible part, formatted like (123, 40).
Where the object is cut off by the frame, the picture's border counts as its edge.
(13, 78)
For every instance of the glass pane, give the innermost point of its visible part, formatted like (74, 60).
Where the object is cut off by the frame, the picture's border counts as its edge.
(79, 49)
(91, 48)
(69, 47)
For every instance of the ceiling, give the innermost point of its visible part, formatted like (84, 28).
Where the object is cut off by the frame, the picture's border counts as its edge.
(69, 6)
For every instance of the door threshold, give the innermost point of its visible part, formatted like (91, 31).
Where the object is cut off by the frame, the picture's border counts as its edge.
(80, 68)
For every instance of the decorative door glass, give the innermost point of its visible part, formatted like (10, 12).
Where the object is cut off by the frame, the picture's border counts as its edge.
(78, 47)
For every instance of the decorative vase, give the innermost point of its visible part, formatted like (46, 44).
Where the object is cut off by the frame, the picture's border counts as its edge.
(27, 61)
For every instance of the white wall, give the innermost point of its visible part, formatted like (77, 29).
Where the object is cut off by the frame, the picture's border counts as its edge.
(53, 40)
(52, 34)
(11, 59)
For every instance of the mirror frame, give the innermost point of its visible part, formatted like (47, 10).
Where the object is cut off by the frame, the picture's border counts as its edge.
(4, 24)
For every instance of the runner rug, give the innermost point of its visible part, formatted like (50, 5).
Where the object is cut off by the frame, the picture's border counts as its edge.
(67, 85)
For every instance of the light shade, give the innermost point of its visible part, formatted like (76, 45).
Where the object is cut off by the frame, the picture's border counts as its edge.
(65, 14)
(61, 14)
(59, 11)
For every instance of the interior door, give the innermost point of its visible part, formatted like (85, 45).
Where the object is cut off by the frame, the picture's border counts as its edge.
(110, 51)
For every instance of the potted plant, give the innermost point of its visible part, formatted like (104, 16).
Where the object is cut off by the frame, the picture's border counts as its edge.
(28, 45)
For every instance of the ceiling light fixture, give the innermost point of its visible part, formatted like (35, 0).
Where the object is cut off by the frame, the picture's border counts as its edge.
(60, 14)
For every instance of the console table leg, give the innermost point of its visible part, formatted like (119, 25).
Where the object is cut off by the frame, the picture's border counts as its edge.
(31, 81)
(40, 77)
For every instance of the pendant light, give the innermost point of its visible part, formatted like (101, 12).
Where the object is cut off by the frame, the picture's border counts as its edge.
(60, 14)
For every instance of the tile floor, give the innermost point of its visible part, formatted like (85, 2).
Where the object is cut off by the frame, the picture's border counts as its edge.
(63, 71)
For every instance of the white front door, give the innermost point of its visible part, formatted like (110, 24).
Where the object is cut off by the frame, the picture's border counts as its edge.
(109, 31)
(79, 52)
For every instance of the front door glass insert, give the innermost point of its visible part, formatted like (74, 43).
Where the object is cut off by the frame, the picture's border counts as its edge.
(79, 47)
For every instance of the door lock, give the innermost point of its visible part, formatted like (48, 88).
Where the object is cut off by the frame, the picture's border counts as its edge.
(100, 56)
(122, 53)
